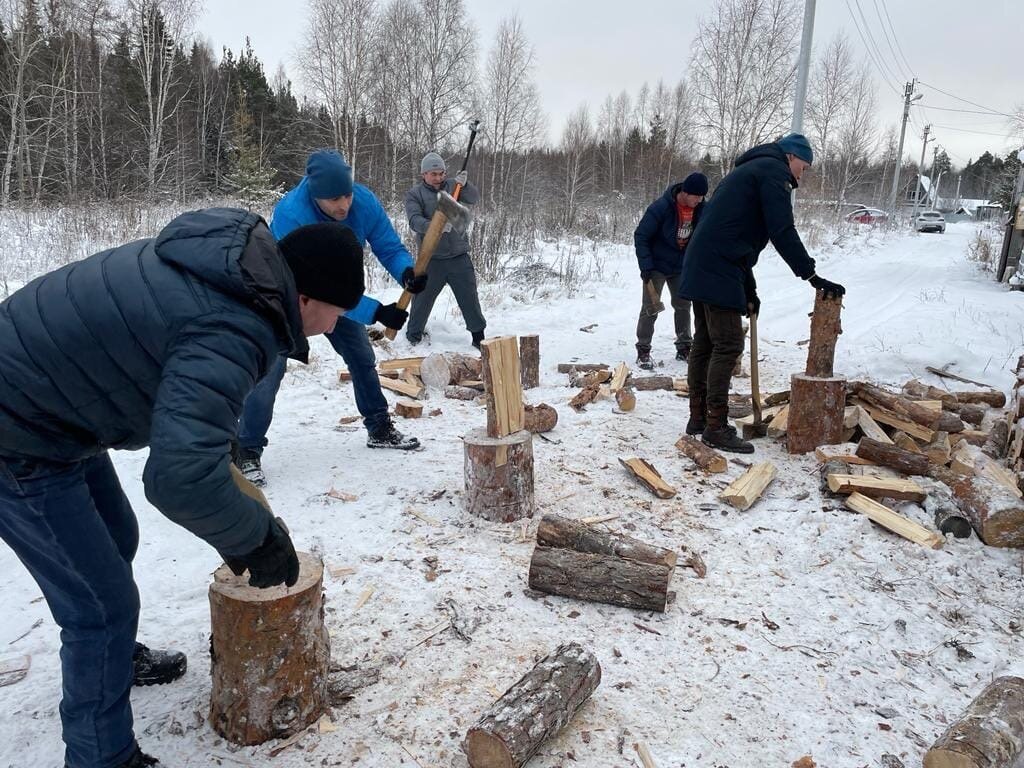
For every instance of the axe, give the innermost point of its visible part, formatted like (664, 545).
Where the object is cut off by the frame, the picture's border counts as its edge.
(657, 306)
(449, 211)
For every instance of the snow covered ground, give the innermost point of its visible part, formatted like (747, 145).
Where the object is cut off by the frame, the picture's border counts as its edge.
(813, 632)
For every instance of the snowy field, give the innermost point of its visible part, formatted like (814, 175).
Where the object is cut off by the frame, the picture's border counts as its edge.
(812, 633)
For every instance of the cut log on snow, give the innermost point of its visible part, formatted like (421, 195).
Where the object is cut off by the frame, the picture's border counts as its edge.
(589, 377)
(461, 393)
(572, 559)
(971, 414)
(540, 418)
(269, 655)
(533, 710)
(408, 409)
(844, 452)
(907, 408)
(498, 474)
(703, 456)
(945, 511)
(996, 513)
(529, 360)
(825, 330)
(401, 364)
(817, 408)
(877, 487)
(502, 385)
(570, 367)
(649, 383)
(402, 387)
(992, 399)
(585, 397)
(645, 472)
(896, 421)
(921, 391)
(938, 449)
(995, 445)
(893, 521)
(990, 734)
(746, 489)
(894, 457)
(625, 398)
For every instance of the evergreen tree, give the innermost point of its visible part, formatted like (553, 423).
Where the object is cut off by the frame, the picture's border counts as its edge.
(250, 181)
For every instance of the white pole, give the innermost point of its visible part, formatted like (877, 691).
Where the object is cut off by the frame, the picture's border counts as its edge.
(803, 68)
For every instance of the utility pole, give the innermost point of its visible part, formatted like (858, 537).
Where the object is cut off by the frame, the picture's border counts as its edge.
(935, 159)
(957, 196)
(920, 168)
(802, 72)
(908, 97)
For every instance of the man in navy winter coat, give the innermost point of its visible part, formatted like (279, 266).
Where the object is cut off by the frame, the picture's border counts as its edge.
(327, 194)
(661, 238)
(155, 343)
(751, 206)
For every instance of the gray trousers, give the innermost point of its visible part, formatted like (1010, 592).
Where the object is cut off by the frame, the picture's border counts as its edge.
(681, 307)
(457, 273)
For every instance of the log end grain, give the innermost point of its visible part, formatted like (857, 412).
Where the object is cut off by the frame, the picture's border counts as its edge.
(498, 475)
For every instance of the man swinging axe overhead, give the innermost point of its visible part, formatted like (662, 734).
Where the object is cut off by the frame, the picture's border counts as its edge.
(435, 211)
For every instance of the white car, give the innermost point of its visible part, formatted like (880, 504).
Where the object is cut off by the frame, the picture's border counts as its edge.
(931, 221)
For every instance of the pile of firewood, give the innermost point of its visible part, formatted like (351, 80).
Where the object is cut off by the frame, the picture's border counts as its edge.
(599, 381)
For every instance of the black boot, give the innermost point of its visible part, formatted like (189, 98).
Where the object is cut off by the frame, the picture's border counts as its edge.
(696, 426)
(478, 336)
(156, 668)
(643, 359)
(389, 437)
(724, 438)
(683, 351)
(140, 759)
(248, 462)
(698, 415)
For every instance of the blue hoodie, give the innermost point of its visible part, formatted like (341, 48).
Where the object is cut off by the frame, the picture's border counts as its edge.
(366, 218)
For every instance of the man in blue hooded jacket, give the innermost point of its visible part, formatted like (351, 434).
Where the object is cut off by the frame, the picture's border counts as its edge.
(752, 206)
(155, 343)
(327, 194)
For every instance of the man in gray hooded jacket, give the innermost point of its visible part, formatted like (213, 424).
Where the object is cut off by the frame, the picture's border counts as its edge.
(450, 265)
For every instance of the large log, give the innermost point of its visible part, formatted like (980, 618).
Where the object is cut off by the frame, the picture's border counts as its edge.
(565, 533)
(438, 370)
(971, 414)
(649, 383)
(502, 385)
(825, 330)
(529, 360)
(704, 457)
(995, 446)
(540, 418)
(570, 367)
(990, 734)
(920, 391)
(993, 399)
(269, 655)
(893, 456)
(498, 474)
(816, 410)
(910, 409)
(995, 511)
(533, 710)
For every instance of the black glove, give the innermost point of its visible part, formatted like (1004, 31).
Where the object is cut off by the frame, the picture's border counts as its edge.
(391, 316)
(273, 562)
(646, 274)
(412, 282)
(832, 290)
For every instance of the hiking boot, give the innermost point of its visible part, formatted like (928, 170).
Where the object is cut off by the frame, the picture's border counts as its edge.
(140, 759)
(478, 336)
(248, 462)
(643, 360)
(156, 668)
(683, 352)
(389, 437)
(726, 439)
(696, 426)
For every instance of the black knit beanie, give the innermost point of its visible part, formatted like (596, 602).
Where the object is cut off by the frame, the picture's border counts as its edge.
(327, 262)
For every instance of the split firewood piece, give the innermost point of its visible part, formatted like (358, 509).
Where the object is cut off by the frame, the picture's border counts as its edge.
(921, 391)
(851, 416)
(619, 377)
(540, 418)
(894, 457)
(747, 488)
(990, 734)
(402, 387)
(777, 426)
(503, 385)
(932, 406)
(776, 398)
(992, 399)
(592, 377)
(533, 710)
(972, 436)
(570, 367)
(408, 409)
(411, 378)
(895, 420)
(938, 450)
(625, 398)
(995, 446)
(681, 387)
(894, 521)
(529, 360)
(585, 396)
(471, 384)
(870, 427)
(461, 393)
(844, 452)
(703, 456)
(401, 364)
(767, 414)
(344, 376)
(906, 442)
(645, 472)
(649, 383)
(877, 487)
(908, 409)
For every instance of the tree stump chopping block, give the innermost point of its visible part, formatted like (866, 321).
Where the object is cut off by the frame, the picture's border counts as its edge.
(816, 409)
(534, 709)
(269, 655)
(989, 735)
(499, 475)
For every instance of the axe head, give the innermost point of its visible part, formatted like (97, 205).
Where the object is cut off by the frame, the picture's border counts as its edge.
(656, 306)
(456, 213)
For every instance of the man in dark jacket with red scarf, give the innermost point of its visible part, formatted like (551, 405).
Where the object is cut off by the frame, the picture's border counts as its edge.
(661, 238)
(752, 206)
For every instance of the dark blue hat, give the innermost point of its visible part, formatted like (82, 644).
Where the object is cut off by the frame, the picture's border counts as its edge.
(328, 174)
(797, 144)
(696, 184)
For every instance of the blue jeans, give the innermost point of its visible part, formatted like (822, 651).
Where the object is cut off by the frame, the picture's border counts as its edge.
(349, 340)
(74, 530)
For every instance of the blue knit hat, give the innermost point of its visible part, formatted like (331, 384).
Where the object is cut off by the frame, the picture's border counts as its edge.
(696, 184)
(797, 144)
(329, 176)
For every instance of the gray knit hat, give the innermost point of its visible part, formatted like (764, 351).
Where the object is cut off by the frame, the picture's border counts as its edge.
(431, 162)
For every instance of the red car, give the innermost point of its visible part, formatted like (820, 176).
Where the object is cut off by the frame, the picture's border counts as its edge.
(867, 216)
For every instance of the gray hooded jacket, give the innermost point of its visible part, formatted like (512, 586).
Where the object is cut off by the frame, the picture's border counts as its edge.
(420, 204)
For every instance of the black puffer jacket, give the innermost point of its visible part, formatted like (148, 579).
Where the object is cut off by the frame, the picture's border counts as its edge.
(154, 343)
(655, 237)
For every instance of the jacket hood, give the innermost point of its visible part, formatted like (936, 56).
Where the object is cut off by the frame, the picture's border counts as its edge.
(233, 251)
(772, 151)
(672, 191)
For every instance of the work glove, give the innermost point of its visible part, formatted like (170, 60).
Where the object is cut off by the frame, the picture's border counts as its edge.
(412, 282)
(390, 316)
(646, 274)
(272, 563)
(461, 177)
(832, 290)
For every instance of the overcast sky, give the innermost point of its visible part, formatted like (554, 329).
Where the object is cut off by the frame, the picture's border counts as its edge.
(587, 49)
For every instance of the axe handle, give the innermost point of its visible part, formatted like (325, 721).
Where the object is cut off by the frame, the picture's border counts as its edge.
(427, 248)
(652, 292)
(755, 384)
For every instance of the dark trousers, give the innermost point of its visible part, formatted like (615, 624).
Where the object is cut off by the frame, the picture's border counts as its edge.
(680, 306)
(74, 530)
(349, 340)
(717, 345)
(458, 273)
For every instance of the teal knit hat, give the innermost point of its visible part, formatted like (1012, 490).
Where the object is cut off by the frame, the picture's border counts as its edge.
(798, 145)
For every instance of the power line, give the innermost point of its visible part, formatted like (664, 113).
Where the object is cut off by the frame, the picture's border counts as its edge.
(968, 111)
(894, 37)
(889, 42)
(873, 44)
(966, 101)
(968, 130)
(867, 49)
